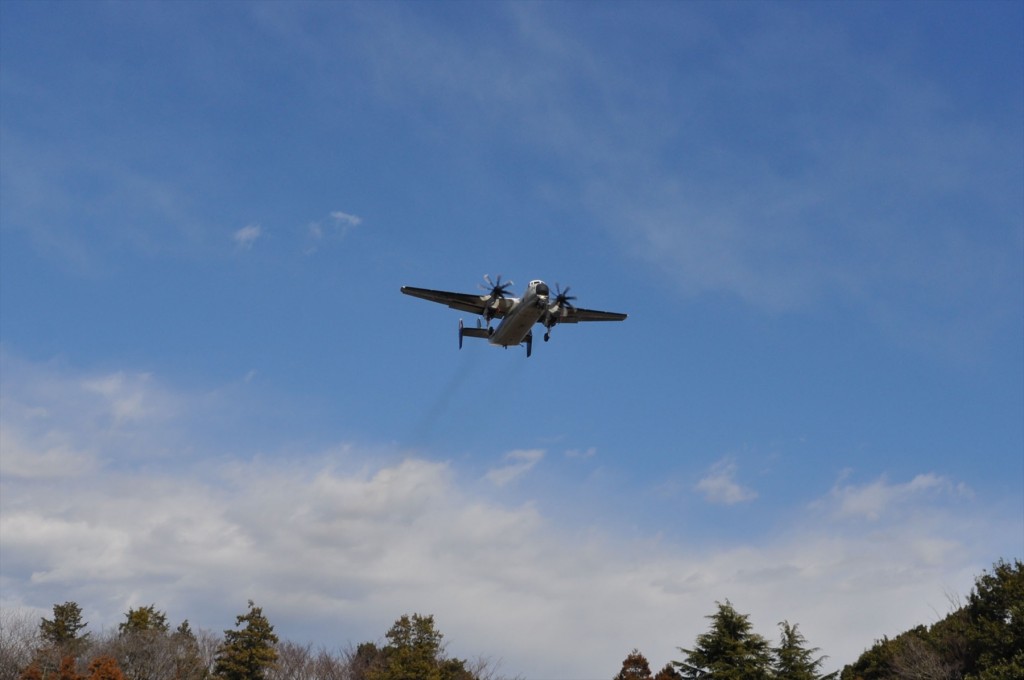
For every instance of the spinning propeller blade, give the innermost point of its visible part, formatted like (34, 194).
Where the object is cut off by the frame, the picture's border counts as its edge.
(562, 297)
(496, 289)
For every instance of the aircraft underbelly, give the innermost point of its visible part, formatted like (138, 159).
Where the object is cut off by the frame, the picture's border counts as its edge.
(515, 327)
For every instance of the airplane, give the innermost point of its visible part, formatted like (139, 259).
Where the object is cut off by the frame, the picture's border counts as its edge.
(518, 315)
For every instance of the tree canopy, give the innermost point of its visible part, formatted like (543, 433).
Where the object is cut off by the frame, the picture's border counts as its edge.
(144, 619)
(635, 667)
(730, 650)
(414, 651)
(248, 651)
(64, 630)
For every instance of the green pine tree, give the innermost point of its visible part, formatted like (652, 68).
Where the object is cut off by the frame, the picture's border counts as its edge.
(730, 650)
(414, 652)
(793, 660)
(64, 631)
(62, 639)
(143, 619)
(247, 652)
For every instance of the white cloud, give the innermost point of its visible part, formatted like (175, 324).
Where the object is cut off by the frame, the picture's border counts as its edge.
(127, 396)
(720, 485)
(247, 236)
(344, 219)
(339, 225)
(521, 462)
(873, 500)
(581, 453)
(50, 455)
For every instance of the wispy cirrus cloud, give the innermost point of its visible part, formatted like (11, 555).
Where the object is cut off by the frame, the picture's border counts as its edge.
(581, 453)
(337, 226)
(720, 485)
(343, 219)
(248, 235)
(519, 462)
(873, 500)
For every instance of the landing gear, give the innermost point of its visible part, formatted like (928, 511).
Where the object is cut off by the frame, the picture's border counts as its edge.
(529, 345)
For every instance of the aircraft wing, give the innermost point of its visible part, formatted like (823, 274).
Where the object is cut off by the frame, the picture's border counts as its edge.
(576, 314)
(466, 302)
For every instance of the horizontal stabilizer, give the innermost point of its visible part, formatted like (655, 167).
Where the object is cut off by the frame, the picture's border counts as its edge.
(471, 332)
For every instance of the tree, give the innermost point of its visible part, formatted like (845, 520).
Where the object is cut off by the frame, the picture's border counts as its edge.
(143, 620)
(19, 640)
(68, 669)
(63, 632)
(414, 652)
(635, 667)
(248, 652)
(145, 648)
(188, 661)
(792, 660)
(31, 672)
(668, 673)
(729, 651)
(104, 668)
(995, 613)
(62, 641)
(916, 658)
(366, 659)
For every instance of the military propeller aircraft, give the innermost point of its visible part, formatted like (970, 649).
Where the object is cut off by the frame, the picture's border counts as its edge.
(517, 315)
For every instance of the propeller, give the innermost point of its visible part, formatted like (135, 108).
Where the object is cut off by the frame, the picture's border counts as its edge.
(562, 301)
(562, 297)
(496, 289)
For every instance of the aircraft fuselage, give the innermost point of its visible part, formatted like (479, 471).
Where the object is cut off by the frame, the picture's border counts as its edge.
(517, 324)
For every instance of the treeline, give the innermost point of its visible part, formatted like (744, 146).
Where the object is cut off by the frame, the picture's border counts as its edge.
(980, 640)
(145, 648)
(731, 650)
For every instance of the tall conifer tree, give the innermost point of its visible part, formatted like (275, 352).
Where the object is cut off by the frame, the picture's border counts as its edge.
(247, 652)
(730, 650)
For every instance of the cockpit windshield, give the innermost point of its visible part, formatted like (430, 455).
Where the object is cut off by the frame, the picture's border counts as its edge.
(542, 288)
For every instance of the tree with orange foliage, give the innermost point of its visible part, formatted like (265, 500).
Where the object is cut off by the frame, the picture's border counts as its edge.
(68, 669)
(635, 667)
(32, 672)
(104, 668)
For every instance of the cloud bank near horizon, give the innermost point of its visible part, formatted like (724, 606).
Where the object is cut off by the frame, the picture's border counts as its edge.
(335, 543)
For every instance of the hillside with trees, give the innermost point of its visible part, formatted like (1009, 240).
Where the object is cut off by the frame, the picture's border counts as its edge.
(983, 639)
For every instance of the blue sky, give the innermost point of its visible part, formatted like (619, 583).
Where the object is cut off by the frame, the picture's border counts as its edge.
(213, 391)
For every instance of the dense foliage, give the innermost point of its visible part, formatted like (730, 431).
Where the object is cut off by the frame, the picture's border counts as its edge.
(981, 640)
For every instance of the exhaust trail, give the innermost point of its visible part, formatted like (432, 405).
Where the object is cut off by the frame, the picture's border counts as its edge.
(422, 432)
